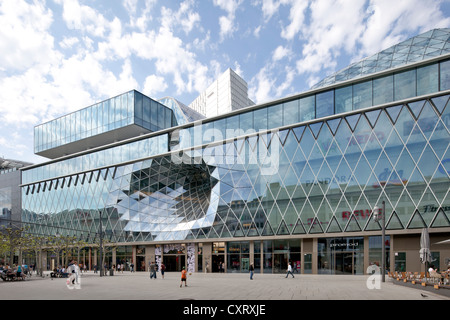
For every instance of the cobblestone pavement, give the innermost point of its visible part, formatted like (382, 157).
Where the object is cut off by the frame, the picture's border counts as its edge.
(228, 286)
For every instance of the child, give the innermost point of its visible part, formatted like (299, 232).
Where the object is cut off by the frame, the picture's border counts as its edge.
(183, 277)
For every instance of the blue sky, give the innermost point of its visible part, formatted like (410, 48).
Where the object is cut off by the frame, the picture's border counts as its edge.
(58, 56)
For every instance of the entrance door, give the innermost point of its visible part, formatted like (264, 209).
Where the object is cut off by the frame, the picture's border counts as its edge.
(217, 260)
(140, 263)
(344, 263)
(280, 261)
(175, 262)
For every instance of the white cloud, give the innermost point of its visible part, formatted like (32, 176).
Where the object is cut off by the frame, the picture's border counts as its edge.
(296, 17)
(287, 83)
(349, 26)
(83, 18)
(272, 81)
(335, 25)
(281, 53)
(257, 31)
(227, 23)
(269, 8)
(185, 17)
(146, 16)
(68, 43)
(153, 85)
(261, 85)
(387, 25)
(24, 38)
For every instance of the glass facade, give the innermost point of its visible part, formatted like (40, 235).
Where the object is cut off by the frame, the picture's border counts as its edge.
(322, 177)
(126, 109)
(381, 90)
(313, 165)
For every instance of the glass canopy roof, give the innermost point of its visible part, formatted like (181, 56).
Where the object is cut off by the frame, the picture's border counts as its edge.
(422, 47)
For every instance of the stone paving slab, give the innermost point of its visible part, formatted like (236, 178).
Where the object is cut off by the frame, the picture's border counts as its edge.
(201, 286)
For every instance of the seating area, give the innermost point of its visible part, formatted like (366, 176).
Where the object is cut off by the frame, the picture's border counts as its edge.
(438, 280)
(59, 274)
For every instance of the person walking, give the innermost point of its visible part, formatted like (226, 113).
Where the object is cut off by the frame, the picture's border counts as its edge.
(76, 268)
(183, 277)
(251, 271)
(152, 270)
(289, 270)
(163, 268)
(71, 272)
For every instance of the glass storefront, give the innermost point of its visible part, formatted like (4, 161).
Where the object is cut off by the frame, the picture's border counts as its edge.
(375, 246)
(238, 256)
(267, 256)
(278, 253)
(124, 256)
(341, 255)
(140, 258)
(257, 261)
(218, 256)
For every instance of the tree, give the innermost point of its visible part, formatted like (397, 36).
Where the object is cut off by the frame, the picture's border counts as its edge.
(11, 241)
(36, 244)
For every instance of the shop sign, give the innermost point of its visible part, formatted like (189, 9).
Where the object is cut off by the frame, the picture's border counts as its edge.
(359, 214)
(352, 244)
(384, 176)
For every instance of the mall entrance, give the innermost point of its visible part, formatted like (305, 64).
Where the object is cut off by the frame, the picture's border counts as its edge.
(341, 256)
(218, 257)
(174, 262)
(217, 261)
(344, 263)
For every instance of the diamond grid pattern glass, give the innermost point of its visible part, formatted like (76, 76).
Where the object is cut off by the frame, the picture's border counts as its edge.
(329, 176)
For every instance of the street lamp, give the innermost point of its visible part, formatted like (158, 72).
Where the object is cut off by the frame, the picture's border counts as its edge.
(379, 215)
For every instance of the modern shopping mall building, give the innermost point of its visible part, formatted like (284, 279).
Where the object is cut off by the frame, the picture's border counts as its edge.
(295, 179)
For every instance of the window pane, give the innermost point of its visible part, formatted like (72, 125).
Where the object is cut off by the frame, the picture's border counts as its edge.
(232, 126)
(153, 112)
(168, 118)
(343, 99)
(325, 104)
(307, 108)
(362, 95)
(291, 112)
(93, 120)
(220, 129)
(427, 79)
(246, 121)
(405, 85)
(383, 90)
(124, 105)
(445, 75)
(160, 123)
(147, 110)
(275, 116)
(138, 107)
(260, 119)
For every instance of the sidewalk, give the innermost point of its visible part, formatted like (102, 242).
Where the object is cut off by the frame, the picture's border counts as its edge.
(201, 286)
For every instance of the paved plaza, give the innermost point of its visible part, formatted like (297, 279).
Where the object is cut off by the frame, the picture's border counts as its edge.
(201, 286)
